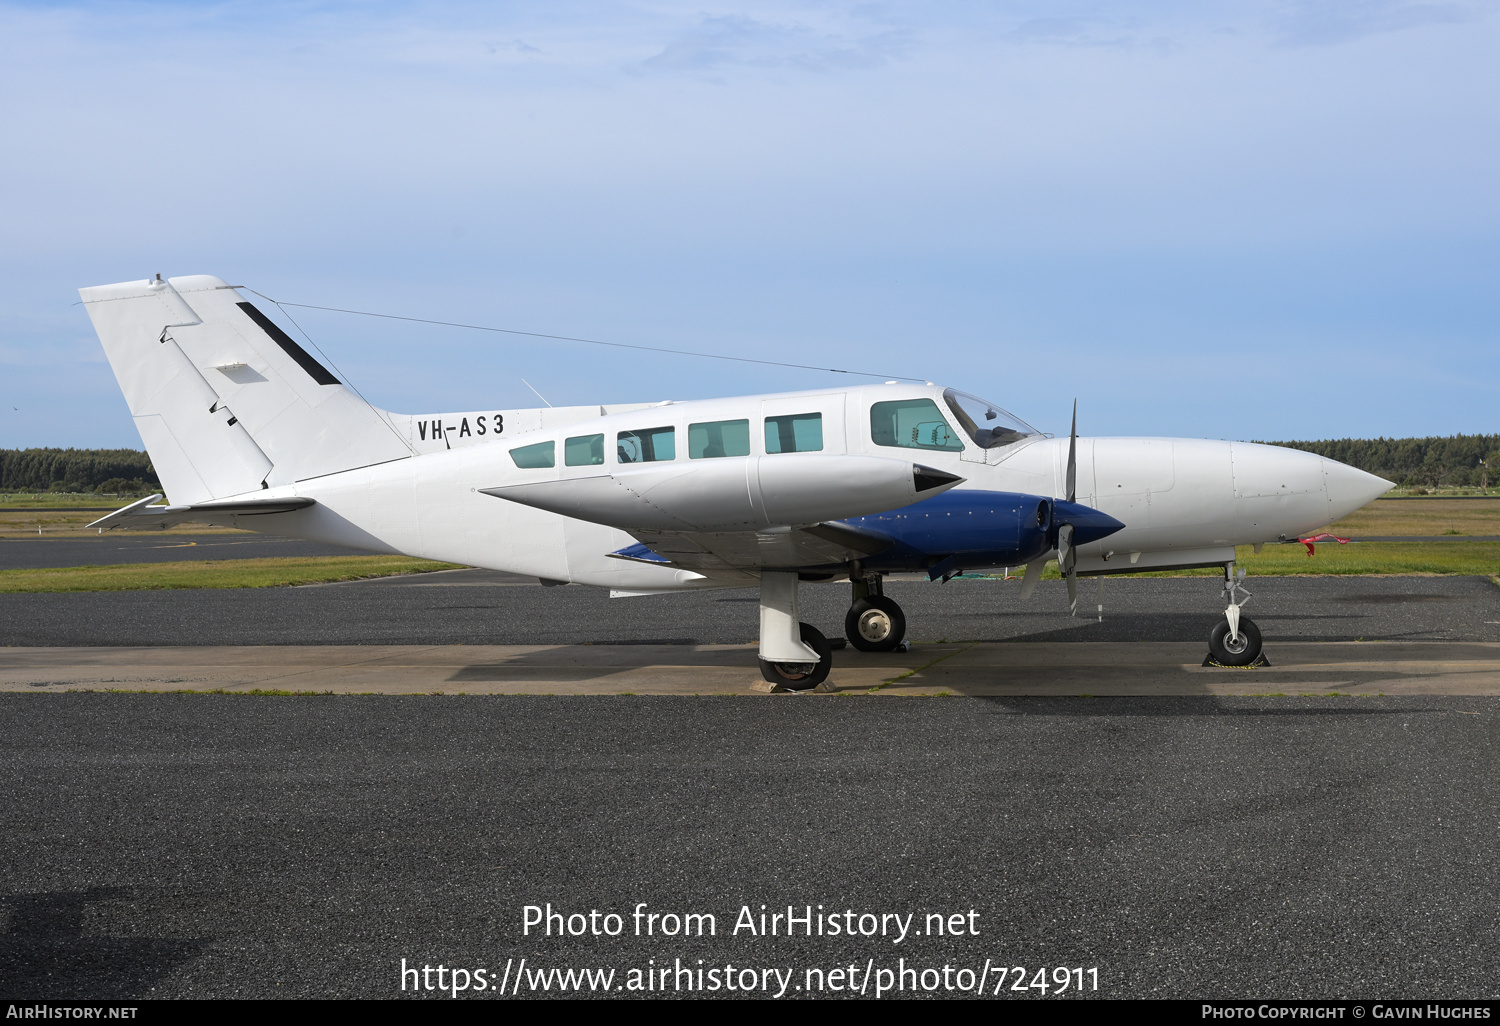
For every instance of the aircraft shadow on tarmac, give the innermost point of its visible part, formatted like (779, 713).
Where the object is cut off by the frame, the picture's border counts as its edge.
(1001, 671)
(590, 662)
(1132, 628)
(45, 953)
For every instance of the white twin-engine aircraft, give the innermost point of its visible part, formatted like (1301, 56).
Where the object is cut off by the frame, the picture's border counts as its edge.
(246, 429)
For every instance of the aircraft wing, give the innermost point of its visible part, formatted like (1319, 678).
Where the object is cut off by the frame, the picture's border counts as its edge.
(143, 516)
(741, 554)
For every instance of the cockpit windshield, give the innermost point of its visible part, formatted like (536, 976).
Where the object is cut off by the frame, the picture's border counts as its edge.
(987, 424)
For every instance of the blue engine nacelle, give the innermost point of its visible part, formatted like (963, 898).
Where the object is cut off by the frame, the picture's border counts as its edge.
(979, 529)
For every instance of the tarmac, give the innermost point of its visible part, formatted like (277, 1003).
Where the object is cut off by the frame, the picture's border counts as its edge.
(477, 607)
(485, 632)
(1259, 848)
(112, 549)
(1099, 801)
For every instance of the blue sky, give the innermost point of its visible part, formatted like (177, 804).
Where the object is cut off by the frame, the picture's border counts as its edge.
(1251, 220)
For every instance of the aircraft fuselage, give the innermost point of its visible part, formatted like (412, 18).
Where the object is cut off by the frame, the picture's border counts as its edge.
(1181, 501)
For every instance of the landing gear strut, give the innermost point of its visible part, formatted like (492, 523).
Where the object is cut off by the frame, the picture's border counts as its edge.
(793, 655)
(1235, 641)
(874, 623)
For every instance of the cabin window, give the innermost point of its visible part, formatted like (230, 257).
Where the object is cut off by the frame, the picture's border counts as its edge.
(647, 446)
(718, 438)
(799, 432)
(584, 451)
(535, 457)
(912, 424)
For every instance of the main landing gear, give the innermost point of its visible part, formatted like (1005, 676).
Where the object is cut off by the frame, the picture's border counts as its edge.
(793, 655)
(874, 623)
(1235, 640)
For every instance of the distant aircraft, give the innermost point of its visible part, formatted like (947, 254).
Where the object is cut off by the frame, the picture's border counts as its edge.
(247, 429)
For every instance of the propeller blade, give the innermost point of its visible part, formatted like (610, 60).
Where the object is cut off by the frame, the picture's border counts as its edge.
(1067, 562)
(1073, 456)
(1033, 574)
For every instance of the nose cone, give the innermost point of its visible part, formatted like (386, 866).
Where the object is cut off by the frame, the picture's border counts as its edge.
(1089, 525)
(1349, 489)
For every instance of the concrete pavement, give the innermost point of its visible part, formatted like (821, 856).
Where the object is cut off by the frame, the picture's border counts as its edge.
(989, 669)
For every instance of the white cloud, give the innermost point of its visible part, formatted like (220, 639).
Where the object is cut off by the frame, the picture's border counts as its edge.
(1318, 23)
(734, 39)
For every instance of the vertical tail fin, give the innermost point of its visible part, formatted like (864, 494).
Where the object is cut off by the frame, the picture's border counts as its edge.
(225, 401)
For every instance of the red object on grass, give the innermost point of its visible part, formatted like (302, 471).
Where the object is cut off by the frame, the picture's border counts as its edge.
(1321, 537)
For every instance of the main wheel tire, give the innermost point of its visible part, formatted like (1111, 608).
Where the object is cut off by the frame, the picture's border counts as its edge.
(802, 676)
(875, 624)
(1241, 651)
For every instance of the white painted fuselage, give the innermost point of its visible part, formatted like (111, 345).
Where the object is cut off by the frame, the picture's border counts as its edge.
(235, 413)
(1183, 501)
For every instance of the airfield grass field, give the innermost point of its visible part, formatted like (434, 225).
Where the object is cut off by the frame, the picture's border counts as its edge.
(1420, 516)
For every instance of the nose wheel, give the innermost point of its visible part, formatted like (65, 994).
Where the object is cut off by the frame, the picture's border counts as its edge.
(1235, 640)
(1238, 649)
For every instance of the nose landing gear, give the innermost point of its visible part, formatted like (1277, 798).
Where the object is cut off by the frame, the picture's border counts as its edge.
(1235, 641)
(874, 623)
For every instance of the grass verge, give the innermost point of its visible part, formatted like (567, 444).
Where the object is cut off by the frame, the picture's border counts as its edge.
(1465, 558)
(219, 573)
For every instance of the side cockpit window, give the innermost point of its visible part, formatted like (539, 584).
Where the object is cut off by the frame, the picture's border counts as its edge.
(912, 424)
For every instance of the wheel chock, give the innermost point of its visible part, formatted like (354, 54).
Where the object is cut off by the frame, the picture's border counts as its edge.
(1260, 661)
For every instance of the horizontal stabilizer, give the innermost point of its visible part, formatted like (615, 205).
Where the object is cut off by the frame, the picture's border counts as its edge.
(142, 516)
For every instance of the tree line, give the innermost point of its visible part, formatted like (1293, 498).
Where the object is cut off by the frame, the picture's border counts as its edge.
(118, 471)
(1415, 462)
(1410, 462)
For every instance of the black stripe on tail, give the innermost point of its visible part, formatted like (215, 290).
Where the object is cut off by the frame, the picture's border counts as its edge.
(304, 359)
